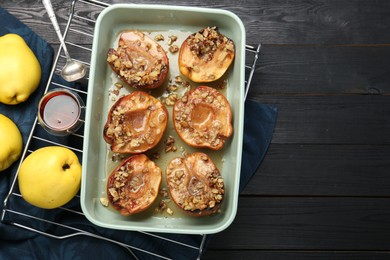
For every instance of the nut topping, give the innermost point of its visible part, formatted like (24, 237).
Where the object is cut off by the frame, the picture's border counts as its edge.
(206, 55)
(170, 145)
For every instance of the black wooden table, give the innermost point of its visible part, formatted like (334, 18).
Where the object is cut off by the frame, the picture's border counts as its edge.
(323, 189)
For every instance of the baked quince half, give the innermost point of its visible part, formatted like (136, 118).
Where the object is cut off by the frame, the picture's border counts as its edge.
(195, 184)
(135, 123)
(203, 118)
(139, 60)
(134, 185)
(206, 55)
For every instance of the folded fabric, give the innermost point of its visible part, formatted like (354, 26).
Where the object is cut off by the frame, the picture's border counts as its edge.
(259, 123)
(19, 243)
(23, 114)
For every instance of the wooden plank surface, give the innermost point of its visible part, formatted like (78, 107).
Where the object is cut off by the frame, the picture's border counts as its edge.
(323, 189)
(323, 69)
(308, 223)
(323, 170)
(271, 22)
(331, 119)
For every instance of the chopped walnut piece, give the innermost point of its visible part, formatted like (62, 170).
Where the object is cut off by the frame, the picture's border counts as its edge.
(205, 41)
(156, 155)
(118, 85)
(116, 157)
(171, 39)
(164, 193)
(162, 206)
(171, 88)
(170, 145)
(159, 37)
(115, 92)
(173, 48)
(169, 211)
(178, 79)
(171, 99)
(104, 202)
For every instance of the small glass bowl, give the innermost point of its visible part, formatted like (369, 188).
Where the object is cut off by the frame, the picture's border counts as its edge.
(61, 112)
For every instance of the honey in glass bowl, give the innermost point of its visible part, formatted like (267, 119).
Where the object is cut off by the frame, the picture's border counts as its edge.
(60, 112)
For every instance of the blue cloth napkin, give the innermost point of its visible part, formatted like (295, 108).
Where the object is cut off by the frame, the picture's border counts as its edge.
(24, 113)
(18, 243)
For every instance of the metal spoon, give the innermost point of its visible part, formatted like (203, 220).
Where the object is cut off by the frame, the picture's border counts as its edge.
(73, 70)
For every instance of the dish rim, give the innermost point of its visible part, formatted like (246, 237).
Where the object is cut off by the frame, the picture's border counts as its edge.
(88, 116)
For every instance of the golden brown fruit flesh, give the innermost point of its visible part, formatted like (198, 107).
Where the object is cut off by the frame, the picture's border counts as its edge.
(206, 55)
(139, 60)
(135, 123)
(133, 186)
(195, 184)
(203, 118)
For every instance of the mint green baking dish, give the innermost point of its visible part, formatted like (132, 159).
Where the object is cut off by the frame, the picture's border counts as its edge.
(168, 19)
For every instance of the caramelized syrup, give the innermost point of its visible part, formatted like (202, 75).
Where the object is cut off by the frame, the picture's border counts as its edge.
(60, 111)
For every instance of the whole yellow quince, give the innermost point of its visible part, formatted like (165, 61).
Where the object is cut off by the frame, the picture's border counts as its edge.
(20, 71)
(11, 142)
(50, 177)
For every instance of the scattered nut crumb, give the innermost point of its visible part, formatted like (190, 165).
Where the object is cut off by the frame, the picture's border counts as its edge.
(170, 211)
(162, 206)
(170, 100)
(119, 85)
(164, 193)
(173, 48)
(117, 157)
(104, 202)
(170, 144)
(172, 88)
(172, 39)
(159, 37)
(156, 155)
(115, 92)
(223, 84)
(178, 80)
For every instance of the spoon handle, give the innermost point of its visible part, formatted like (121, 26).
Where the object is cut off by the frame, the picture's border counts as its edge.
(53, 19)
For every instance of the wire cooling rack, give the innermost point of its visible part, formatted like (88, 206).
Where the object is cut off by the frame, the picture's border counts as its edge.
(17, 212)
